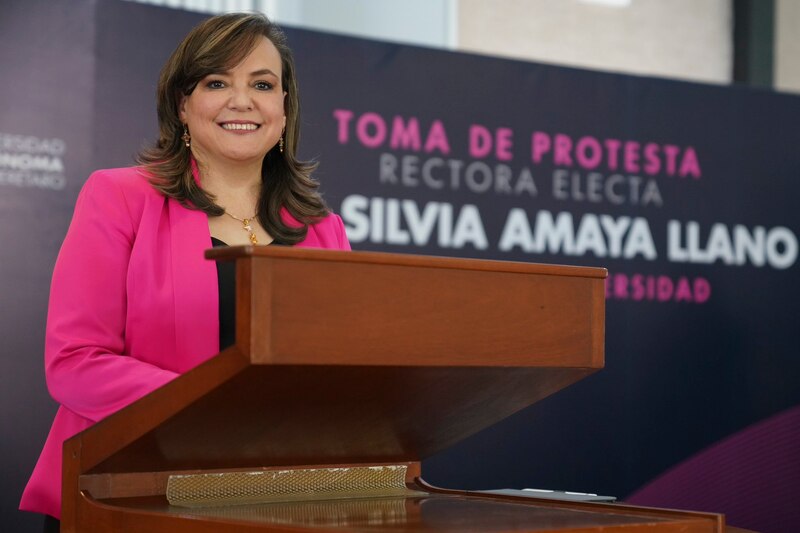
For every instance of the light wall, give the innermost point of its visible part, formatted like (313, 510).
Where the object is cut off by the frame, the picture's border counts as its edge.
(422, 22)
(685, 39)
(787, 45)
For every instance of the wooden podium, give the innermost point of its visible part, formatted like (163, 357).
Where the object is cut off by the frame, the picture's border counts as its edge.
(350, 368)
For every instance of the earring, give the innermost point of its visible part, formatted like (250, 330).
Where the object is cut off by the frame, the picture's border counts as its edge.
(280, 143)
(187, 139)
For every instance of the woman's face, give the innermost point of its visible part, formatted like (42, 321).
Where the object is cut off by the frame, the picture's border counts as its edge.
(237, 116)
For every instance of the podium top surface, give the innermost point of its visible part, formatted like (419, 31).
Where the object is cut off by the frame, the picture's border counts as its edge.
(227, 253)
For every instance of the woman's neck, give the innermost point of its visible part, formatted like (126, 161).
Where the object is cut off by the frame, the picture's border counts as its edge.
(236, 188)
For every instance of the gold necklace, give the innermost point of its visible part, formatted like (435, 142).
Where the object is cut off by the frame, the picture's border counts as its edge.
(247, 226)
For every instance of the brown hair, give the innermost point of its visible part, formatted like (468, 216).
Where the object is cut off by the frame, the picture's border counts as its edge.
(215, 45)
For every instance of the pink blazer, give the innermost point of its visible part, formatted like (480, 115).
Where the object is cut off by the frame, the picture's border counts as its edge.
(133, 304)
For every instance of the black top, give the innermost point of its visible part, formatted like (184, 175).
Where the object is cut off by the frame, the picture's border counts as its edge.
(226, 280)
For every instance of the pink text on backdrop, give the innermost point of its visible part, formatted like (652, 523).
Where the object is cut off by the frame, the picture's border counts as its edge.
(630, 156)
(373, 131)
(481, 142)
(645, 287)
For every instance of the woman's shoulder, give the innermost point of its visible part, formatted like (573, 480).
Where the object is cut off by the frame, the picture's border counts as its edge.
(129, 185)
(327, 232)
(129, 180)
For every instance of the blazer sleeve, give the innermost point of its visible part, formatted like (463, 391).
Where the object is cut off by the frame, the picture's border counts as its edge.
(341, 234)
(86, 369)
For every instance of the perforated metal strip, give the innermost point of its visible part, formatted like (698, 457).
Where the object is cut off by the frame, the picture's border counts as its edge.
(234, 488)
(339, 513)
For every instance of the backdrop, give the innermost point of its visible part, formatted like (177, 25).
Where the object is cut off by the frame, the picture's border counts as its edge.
(685, 192)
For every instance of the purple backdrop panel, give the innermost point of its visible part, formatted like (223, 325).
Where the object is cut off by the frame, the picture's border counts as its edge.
(133, 42)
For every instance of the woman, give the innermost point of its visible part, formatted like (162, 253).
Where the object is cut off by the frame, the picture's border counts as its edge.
(133, 303)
